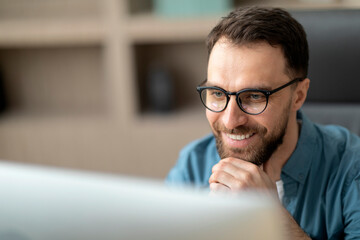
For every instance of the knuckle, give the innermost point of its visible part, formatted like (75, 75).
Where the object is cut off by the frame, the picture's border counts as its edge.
(239, 185)
(222, 164)
(216, 167)
(248, 177)
(228, 160)
(212, 178)
(231, 160)
(219, 166)
(253, 169)
(216, 176)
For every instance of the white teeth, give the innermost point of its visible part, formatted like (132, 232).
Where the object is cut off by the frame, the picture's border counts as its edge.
(239, 137)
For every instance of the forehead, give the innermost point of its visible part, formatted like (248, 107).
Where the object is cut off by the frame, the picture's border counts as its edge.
(255, 65)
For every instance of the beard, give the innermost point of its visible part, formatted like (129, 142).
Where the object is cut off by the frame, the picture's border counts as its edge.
(259, 153)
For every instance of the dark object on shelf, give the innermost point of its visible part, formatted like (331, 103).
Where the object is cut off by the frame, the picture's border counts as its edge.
(160, 89)
(2, 93)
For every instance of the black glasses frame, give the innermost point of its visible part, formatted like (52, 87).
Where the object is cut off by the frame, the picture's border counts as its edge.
(267, 93)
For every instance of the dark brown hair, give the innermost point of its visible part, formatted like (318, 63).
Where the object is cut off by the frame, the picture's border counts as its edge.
(273, 25)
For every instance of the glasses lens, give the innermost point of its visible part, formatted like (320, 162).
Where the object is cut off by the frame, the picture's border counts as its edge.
(214, 99)
(252, 102)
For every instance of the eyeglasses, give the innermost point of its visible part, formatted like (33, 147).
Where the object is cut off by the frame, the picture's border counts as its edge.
(250, 101)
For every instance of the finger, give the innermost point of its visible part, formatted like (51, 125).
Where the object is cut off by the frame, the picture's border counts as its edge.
(219, 188)
(235, 170)
(223, 166)
(238, 165)
(233, 183)
(221, 177)
(239, 175)
(241, 163)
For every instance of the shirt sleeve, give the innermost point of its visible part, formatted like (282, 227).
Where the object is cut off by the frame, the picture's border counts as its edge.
(351, 206)
(194, 164)
(179, 174)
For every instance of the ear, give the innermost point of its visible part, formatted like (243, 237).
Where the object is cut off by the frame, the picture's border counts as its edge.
(300, 93)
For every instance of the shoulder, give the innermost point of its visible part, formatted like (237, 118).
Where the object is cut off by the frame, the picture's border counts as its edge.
(195, 162)
(334, 152)
(344, 185)
(342, 150)
(198, 147)
(338, 139)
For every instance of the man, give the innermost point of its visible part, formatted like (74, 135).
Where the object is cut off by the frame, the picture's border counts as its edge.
(256, 84)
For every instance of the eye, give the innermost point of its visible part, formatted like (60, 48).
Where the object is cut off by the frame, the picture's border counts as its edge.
(256, 96)
(252, 97)
(217, 94)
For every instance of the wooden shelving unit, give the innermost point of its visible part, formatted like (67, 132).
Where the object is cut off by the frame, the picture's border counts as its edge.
(75, 76)
(23, 33)
(148, 28)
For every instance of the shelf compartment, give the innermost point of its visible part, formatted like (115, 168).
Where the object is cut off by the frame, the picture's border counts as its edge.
(53, 81)
(185, 63)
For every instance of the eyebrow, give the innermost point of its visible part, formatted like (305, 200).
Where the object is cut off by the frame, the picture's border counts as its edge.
(264, 88)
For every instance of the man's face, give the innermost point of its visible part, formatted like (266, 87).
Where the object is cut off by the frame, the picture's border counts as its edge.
(260, 66)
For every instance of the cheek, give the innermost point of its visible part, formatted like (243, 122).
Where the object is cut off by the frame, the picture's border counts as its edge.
(274, 118)
(267, 120)
(211, 117)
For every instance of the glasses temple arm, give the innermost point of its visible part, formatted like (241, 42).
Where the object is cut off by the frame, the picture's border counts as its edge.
(284, 86)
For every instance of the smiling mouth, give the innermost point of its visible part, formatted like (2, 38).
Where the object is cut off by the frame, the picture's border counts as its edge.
(239, 137)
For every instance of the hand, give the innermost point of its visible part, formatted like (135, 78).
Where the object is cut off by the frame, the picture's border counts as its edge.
(235, 175)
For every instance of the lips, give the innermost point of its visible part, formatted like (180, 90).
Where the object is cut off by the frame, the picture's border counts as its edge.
(238, 141)
(239, 137)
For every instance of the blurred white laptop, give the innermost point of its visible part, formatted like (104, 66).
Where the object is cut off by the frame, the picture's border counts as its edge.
(42, 203)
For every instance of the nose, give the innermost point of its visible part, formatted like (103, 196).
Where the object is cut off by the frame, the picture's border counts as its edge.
(233, 116)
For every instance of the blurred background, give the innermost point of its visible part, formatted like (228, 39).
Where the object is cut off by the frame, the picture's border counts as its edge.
(109, 85)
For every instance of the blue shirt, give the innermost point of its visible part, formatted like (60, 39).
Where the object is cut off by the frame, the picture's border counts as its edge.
(321, 178)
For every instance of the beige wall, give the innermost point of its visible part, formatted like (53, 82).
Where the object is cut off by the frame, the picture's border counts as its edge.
(72, 89)
(73, 72)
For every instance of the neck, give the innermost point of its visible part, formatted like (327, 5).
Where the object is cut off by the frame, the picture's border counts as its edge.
(283, 152)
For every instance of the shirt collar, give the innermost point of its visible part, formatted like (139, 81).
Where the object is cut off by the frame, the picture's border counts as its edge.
(298, 165)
